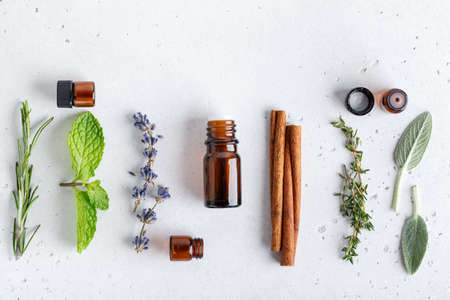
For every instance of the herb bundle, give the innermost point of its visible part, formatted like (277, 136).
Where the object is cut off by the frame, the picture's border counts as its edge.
(354, 192)
(25, 195)
(86, 144)
(148, 215)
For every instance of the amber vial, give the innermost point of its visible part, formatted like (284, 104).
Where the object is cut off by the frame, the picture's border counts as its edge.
(395, 101)
(222, 166)
(75, 93)
(185, 248)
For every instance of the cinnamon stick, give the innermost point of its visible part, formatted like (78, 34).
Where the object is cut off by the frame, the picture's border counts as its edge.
(294, 135)
(288, 247)
(273, 119)
(276, 196)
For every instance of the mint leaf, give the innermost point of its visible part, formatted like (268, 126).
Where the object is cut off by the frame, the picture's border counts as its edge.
(86, 220)
(97, 195)
(86, 143)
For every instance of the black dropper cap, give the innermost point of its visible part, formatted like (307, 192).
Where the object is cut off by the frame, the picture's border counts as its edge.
(64, 93)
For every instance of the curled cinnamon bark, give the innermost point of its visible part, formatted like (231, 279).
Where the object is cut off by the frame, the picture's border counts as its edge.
(294, 136)
(277, 161)
(273, 119)
(288, 246)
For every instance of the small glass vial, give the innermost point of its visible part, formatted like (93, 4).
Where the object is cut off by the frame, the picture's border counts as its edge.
(75, 93)
(184, 248)
(395, 101)
(222, 166)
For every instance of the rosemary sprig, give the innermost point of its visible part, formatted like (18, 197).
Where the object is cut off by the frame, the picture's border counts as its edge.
(24, 196)
(354, 192)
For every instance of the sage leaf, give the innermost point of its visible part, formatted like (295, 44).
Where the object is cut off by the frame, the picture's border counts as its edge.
(86, 220)
(414, 238)
(410, 148)
(86, 144)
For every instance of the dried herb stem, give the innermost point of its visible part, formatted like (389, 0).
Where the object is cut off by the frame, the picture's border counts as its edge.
(146, 188)
(71, 184)
(354, 192)
(142, 232)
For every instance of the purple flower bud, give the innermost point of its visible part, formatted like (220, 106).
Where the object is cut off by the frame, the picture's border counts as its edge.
(163, 192)
(135, 193)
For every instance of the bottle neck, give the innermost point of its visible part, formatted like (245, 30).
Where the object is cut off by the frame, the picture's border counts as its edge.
(221, 135)
(197, 248)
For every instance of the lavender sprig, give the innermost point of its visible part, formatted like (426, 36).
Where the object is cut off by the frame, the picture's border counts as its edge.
(139, 193)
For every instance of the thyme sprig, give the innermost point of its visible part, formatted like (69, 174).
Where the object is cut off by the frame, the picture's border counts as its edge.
(354, 192)
(25, 195)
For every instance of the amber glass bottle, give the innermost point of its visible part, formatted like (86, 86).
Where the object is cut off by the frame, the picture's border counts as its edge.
(75, 93)
(395, 101)
(185, 248)
(222, 166)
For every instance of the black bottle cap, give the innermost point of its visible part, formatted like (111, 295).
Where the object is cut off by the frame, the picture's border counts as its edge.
(367, 98)
(64, 93)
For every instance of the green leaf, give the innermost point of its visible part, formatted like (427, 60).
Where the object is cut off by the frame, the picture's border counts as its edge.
(414, 239)
(414, 243)
(86, 220)
(32, 236)
(39, 131)
(86, 143)
(410, 148)
(97, 195)
(414, 141)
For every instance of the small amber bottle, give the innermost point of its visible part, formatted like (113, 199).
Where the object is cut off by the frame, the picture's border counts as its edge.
(75, 93)
(395, 101)
(222, 166)
(185, 248)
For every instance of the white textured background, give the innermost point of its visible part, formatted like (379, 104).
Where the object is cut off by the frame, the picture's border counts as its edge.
(181, 61)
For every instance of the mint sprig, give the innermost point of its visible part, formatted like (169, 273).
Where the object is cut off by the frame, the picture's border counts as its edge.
(86, 144)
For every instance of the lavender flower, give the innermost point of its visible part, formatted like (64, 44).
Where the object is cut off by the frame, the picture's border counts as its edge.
(150, 153)
(146, 138)
(142, 122)
(135, 193)
(141, 243)
(148, 216)
(139, 193)
(148, 174)
(163, 193)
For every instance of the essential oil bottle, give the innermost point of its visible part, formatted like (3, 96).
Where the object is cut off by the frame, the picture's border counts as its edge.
(222, 166)
(75, 93)
(395, 101)
(183, 248)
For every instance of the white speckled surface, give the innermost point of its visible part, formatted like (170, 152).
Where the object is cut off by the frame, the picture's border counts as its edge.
(181, 61)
